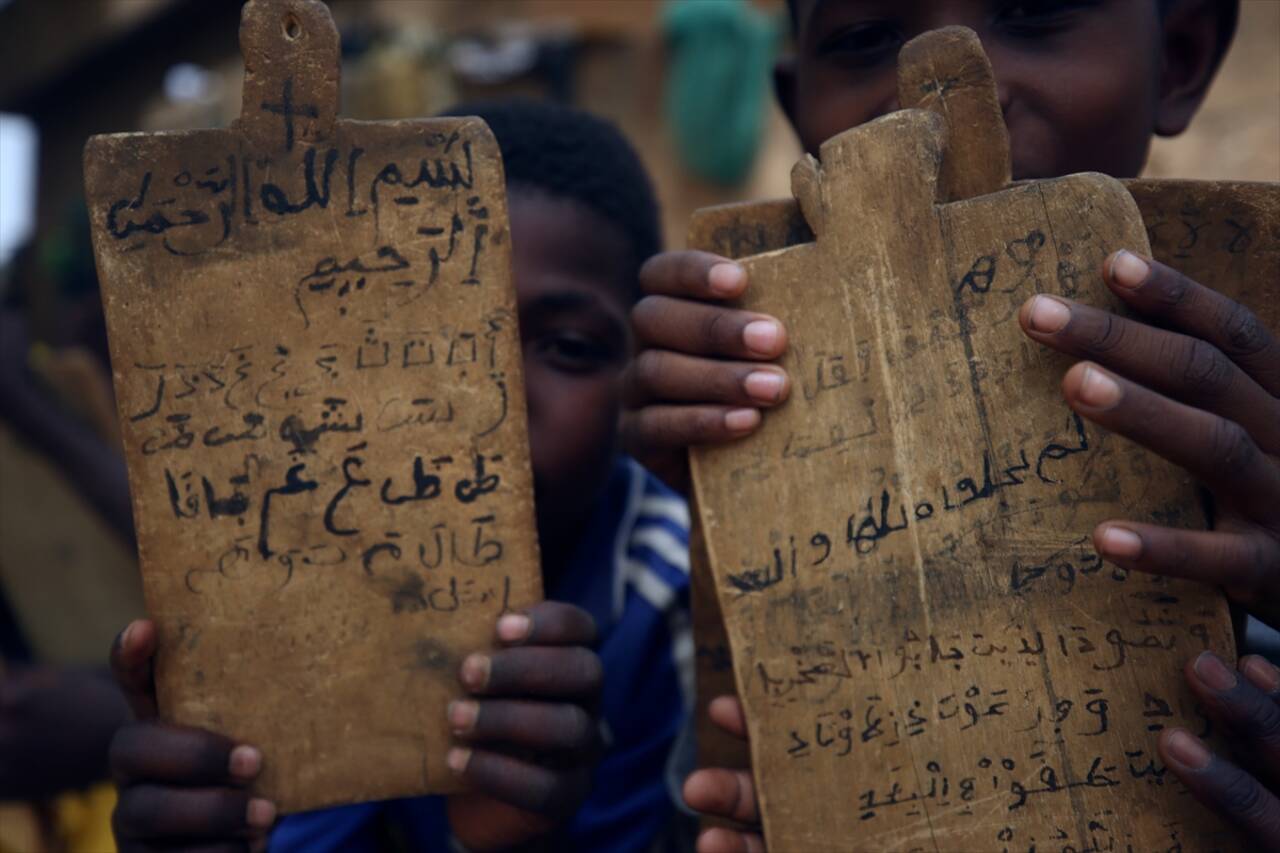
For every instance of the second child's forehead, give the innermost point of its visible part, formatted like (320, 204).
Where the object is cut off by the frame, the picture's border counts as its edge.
(561, 240)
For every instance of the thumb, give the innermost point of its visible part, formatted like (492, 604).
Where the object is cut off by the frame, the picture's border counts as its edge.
(132, 656)
(727, 713)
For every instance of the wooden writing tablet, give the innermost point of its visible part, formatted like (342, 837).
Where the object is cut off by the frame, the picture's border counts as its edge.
(318, 372)
(930, 653)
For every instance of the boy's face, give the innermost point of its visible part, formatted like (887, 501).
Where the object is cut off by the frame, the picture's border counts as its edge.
(1084, 83)
(571, 277)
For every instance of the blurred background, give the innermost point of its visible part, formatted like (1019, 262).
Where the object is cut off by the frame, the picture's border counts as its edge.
(663, 71)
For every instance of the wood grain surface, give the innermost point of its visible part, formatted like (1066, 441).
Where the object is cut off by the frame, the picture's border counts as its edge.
(924, 639)
(318, 369)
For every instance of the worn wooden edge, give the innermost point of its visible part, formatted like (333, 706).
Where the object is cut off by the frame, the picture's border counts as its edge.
(266, 66)
(292, 57)
(946, 71)
(778, 212)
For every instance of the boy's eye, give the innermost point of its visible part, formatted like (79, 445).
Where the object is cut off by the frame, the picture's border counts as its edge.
(863, 44)
(574, 352)
(1041, 14)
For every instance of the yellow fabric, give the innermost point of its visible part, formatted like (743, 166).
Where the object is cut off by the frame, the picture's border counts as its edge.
(81, 824)
(84, 820)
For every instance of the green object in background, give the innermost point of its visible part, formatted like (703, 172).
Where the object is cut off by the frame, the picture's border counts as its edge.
(718, 86)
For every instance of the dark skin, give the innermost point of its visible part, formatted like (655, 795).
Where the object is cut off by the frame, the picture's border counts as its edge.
(528, 731)
(577, 341)
(1065, 69)
(1195, 377)
(1084, 86)
(55, 724)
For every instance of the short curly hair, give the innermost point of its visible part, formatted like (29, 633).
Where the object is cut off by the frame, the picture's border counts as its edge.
(570, 154)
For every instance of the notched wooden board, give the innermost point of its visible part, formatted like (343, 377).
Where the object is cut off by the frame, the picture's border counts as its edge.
(318, 370)
(930, 652)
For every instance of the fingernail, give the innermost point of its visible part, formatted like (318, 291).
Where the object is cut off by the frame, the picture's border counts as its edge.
(260, 814)
(127, 636)
(726, 279)
(462, 716)
(245, 762)
(1214, 672)
(1187, 750)
(762, 336)
(1119, 542)
(1262, 674)
(1129, 270)
(475, 672)
(1048, 314)
(513, 627)
(1098, 390)
(742, 420)
(457, 759)
(764, 386)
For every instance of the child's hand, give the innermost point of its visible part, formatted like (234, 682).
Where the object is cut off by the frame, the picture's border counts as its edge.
(1199, 385)
(180, 788)
(533, 736)
(726, 794)
(699, 377)
(1248, 710)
